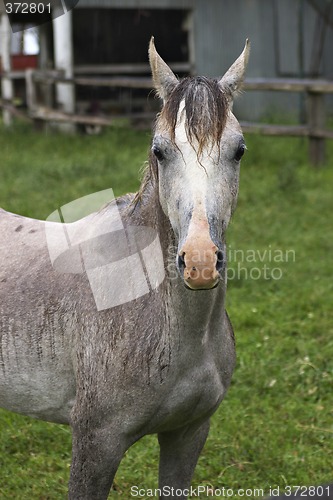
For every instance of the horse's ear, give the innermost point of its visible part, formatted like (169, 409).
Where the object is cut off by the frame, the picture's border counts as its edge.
(163, 77)
(234, 77)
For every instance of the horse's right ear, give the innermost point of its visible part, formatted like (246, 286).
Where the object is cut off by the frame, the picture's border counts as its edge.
(163, 77)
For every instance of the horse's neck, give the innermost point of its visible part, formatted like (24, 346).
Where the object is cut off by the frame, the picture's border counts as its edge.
(194, 311)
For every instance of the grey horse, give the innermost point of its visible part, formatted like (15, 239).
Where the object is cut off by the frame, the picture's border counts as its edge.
(160, 362)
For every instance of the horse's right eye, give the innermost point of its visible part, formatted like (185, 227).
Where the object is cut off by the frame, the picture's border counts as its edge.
(158, 153)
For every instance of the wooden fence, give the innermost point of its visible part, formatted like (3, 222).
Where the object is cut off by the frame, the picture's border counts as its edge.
(315, 127)
(40, 83)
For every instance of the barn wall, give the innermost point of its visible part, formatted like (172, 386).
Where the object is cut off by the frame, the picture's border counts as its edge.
(221, 28)
(219, 32)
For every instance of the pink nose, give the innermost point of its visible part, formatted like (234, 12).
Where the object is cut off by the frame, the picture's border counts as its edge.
(200, 260)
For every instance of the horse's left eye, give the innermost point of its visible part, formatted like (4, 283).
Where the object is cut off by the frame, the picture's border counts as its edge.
(158, 153)
(240, 151)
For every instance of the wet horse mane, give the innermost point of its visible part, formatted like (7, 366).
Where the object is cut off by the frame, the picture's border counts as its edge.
(206, 109)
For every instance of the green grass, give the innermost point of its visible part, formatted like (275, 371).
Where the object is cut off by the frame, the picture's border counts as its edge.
(275, 426)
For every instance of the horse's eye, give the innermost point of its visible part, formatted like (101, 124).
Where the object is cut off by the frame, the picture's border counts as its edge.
(240, 151)
(158, 153)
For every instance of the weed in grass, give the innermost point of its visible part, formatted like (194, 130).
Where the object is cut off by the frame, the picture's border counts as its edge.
(288, 179)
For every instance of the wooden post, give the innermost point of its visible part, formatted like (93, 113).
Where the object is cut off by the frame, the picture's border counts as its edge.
(30, 89)
(63, 59)
(46, 62)
(316, 122)
(7, 89)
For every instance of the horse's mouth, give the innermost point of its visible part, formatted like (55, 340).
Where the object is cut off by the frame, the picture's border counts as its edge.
(196, 289)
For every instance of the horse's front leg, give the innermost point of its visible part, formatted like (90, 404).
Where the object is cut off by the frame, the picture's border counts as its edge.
(96, 454)
(179, 453)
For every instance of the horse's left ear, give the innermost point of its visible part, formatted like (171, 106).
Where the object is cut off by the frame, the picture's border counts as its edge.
(163, 77)
(234, 77)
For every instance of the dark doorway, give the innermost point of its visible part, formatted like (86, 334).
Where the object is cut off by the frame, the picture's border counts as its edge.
(113, 36)
(110, 42)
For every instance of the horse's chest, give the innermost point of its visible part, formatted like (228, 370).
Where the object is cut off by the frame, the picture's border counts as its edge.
(194, 394)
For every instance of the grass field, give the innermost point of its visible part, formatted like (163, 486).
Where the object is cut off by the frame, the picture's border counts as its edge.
(275, 427)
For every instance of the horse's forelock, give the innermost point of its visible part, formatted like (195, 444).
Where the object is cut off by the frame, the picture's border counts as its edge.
(205, 106)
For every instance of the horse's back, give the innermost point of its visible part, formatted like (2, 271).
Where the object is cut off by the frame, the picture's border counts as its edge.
(41, 310)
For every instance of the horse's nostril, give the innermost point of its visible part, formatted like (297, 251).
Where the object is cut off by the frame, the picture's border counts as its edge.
(181, 261)
(219, 260)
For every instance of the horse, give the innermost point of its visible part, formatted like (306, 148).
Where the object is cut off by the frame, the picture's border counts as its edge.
(157, 361)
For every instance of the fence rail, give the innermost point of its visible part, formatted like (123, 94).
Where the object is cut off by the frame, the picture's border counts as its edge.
(290, 85)
(315, 90)
(315, 128)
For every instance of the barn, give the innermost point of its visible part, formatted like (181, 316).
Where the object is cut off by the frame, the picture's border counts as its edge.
(110, 38)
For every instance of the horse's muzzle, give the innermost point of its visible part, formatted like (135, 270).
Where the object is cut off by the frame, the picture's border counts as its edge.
(200, 267)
